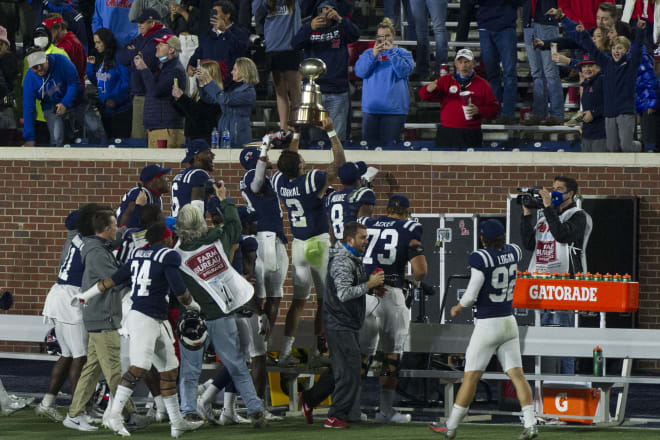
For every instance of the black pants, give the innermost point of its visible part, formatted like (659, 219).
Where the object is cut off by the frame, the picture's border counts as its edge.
(458, 138)
(465, 15)
(118, 125)
(342, 379)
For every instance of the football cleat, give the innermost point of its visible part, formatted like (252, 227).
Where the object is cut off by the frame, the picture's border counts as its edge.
(396, 417)
(270, 417)
(529, 433)
(177, 429)
(117, 425)
(50, 412)
(206, 412)
(441, 428)
(232, 419)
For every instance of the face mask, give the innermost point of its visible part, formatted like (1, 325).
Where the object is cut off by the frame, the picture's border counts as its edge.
(557, 198)
(41, 42)
(162, 59)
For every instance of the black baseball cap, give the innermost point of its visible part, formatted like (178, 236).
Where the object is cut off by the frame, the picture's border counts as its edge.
(148, 14)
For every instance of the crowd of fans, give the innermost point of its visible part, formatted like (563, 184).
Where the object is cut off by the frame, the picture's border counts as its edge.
(176, 70)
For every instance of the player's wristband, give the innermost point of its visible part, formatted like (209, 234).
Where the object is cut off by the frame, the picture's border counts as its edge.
(263, 151)
(296, 136)
(332, 134)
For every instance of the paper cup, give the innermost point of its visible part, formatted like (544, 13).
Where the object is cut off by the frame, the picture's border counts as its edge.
(465, 112)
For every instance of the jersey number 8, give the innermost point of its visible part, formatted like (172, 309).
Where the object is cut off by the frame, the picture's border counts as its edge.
(503, 279)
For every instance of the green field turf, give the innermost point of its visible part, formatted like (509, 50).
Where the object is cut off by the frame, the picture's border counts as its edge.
(24, 425)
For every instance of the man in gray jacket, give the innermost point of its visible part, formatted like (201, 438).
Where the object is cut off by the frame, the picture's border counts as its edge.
(101, 316)
(343, 314)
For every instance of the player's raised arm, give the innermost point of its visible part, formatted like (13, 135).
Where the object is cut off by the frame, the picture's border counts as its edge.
(338, 157)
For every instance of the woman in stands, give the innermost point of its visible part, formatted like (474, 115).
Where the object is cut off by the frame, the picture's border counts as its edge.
(236, 101)
(201, 117)
(281, 24)
(112, 81)
(385, 94)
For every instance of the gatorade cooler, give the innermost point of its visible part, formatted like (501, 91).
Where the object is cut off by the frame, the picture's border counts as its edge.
(571, 402)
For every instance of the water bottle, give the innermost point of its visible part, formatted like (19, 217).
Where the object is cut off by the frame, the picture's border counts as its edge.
(226, 139)
(214, 138)
(598, 361)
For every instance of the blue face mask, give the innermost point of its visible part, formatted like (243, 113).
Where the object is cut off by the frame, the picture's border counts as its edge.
(162, 59)
(557, 198)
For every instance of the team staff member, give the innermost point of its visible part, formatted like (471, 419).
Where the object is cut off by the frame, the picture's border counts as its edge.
(153, 183)
(493, 275)
(189, 185)
(558, 235)
(343, 315)
(455, 129)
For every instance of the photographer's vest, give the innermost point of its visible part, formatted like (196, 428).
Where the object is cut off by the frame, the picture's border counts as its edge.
(209, 267)
(552, 256)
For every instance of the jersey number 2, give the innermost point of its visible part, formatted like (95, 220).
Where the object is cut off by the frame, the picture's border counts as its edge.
(503, 279)
(140, 277)
(297, 213)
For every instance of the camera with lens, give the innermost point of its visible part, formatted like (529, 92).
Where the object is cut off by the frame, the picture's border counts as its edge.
(529, 197)
(210, 191)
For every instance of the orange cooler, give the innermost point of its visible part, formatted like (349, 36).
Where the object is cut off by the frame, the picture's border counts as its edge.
(571, 402)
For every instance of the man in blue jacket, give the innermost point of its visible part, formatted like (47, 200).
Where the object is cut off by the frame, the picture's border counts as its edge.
(327, 38)
(161, 119)
(149, 28)
(113, 15)
(53, 80)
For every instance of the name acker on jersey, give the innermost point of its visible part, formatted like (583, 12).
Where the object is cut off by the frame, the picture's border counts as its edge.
(563, 293)
(207, 264)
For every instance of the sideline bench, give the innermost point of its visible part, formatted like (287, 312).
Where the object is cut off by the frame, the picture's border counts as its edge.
(24, 328)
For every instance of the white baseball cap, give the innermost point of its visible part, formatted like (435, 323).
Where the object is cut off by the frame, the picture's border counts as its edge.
(465, 53)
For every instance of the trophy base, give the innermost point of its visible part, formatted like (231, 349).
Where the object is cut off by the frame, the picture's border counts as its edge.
(309, 116)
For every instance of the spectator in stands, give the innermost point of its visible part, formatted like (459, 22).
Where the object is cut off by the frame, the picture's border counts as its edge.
(183, 18)
(437, 10)
(225, 42)
(620, 73)
(112, 81)
(201, 117)
(281, 25)
(327, 38)
(545, 73)
(236, 101)
(467, 13)
(113, 15)
(53, 80)
(460, 124)
(496, 20)
(385, 90)
(67, 40)
(8, 76)
(645, 10)
(160, 6)
(391, 10)
(584, 11)
(143, 44)
(593, 127)
(161, 120)
(73, 19)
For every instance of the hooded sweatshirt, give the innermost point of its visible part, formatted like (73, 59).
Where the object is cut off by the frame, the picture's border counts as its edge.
(329, 44)
(60, 85)
(280, 25)
(112, 83)
(592, 100)
(113, 14)
(74, 48)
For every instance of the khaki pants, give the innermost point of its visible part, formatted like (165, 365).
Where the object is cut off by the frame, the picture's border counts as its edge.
(137, 127)
(174, 137)
(102, 356)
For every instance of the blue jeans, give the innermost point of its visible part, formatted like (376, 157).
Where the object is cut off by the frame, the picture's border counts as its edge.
(561, 319)
(83, 115)
(382, 130)
(223, 334)
(438, 11)
(391, 11)
(545, 72)
(337, 105)
(499, 47)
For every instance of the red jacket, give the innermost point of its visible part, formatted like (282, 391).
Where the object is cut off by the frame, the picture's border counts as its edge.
(447, 93)
(74, 48)
(582, 10)
(639, 9)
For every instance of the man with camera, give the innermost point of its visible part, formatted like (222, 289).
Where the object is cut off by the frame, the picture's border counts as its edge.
(558, 237)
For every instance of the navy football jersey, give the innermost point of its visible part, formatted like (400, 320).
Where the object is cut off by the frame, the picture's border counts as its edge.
(152, 270)
(246, 244)
(343, 207)
(265, 204)
(182, 185)
(499, 268)
(305, 208)
(71, 270)
(132, 195)
(389, 241)
(131, 238)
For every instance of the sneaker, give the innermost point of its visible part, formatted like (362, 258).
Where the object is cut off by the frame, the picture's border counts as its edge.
(206, 412)
(396, 417)
(232, 419)
(92, 420)
(177, 429)
(529, 433)
(575, 120)
(156, 416)
(334, 422)
(50, 412)
(554, 120)
(117, 425)
(15, 403)
(270, 417)
(258, 420)
(441, 428)
(79, 423)
(203, 386)
(306, 409)
(533, 120)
